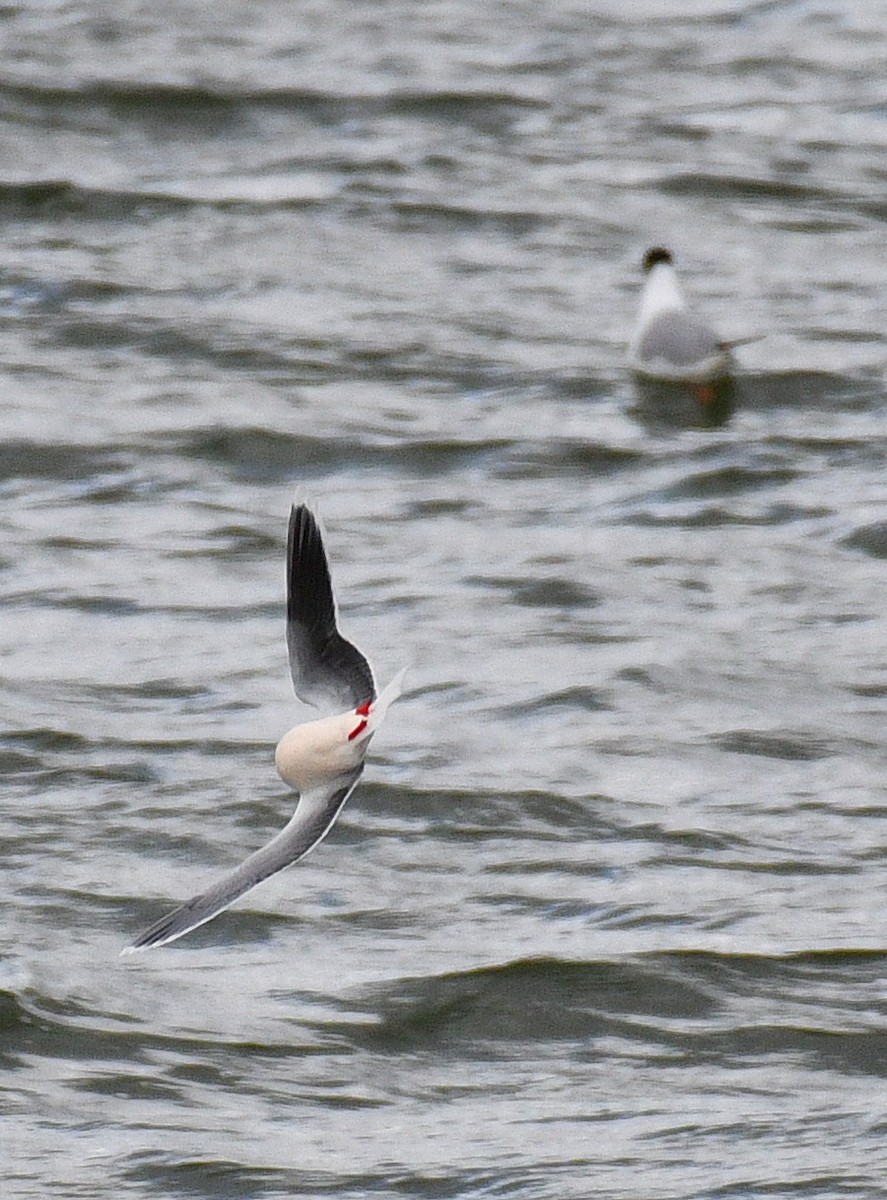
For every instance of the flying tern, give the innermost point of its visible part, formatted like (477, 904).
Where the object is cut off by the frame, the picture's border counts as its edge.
(321, 759)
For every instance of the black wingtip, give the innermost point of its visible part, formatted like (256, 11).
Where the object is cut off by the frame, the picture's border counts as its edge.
(327, 670)
(304, 534)
(655, 255)
(167, 929)
(309, 594)
(197, 911)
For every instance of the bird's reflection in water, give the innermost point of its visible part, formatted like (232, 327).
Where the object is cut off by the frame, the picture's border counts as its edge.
(667, 406)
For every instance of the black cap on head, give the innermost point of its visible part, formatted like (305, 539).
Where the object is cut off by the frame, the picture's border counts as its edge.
(658, 254)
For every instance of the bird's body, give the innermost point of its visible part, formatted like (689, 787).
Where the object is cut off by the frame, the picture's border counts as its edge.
(670, 343)
(322, 759)
(319, 750)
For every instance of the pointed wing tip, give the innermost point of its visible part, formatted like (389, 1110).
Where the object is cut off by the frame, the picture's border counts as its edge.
(141, 944)
(305, 541)
(748, 340)
(303, 514)
(303, 524)
(162, 932)
(139, 947)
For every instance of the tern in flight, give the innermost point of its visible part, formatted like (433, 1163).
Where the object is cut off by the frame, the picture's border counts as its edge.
(670, 344)
(321, 759)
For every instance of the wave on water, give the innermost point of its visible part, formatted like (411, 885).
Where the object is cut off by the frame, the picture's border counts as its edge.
(694, 1002)
(870, 539)
(52, 199)
(265, 454)
(25, 458)
(188, 111)
(827, 1003)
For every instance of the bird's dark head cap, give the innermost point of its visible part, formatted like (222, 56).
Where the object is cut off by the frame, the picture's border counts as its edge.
(658, 254)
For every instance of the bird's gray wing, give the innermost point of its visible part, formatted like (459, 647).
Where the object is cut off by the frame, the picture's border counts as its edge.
(328, 672)
(678, 338)
(311, 822)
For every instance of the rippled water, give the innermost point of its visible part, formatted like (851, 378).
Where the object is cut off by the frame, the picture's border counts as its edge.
(605, 916)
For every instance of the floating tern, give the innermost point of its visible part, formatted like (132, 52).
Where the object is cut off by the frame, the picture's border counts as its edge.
(670, 344)
(322, 759)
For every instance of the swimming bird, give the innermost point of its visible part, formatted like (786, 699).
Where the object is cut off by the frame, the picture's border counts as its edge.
(670, 343)
(322, 759)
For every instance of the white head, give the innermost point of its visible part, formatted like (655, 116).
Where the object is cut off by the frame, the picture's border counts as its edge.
(661, 288)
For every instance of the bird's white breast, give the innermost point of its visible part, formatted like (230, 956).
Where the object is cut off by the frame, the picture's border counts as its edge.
(312, 754)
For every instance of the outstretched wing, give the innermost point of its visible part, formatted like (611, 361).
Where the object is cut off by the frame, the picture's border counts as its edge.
(328, 672)
(311, 822)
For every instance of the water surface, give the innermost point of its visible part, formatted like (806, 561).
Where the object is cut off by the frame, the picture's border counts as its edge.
(605, 916)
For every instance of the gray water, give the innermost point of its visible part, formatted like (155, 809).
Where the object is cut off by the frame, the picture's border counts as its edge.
(605, 916)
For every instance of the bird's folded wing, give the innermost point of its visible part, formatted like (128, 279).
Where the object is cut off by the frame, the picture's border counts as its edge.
(675, 336)
(314, 817)
(328, 672)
